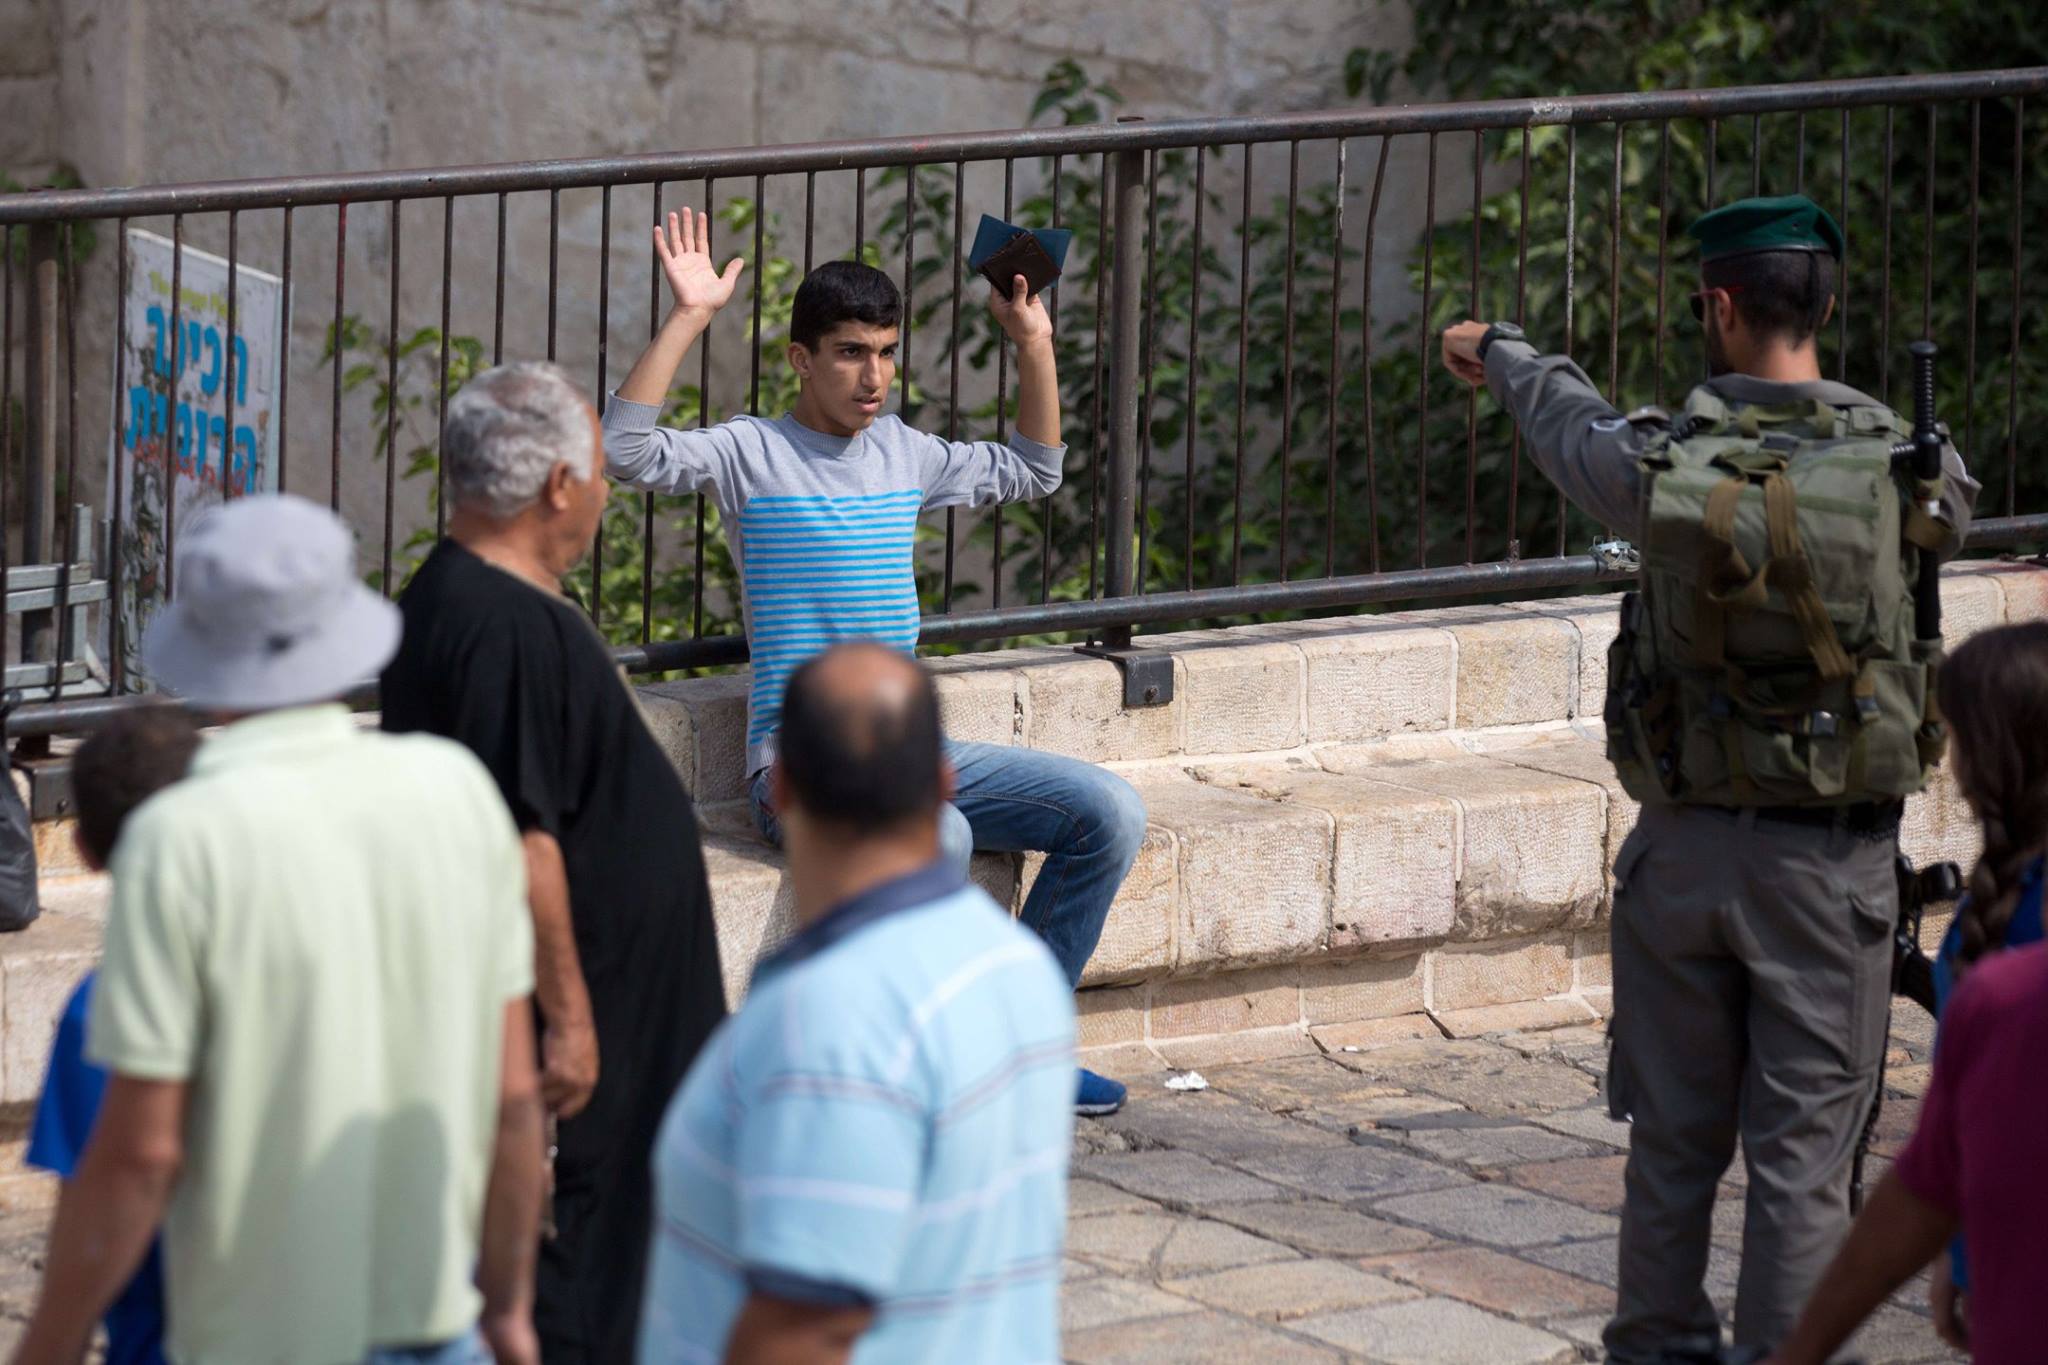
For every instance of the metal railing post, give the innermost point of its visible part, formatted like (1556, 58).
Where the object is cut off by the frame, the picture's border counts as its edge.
(1126, 321)
(39, 454)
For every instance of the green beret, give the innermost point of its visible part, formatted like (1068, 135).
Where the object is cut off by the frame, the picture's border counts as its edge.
(1786, 222)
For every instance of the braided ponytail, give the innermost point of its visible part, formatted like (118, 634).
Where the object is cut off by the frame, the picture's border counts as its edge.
(1994, 695)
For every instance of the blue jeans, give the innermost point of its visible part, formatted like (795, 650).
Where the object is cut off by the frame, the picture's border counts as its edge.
(467, 1349)
(1088, 823)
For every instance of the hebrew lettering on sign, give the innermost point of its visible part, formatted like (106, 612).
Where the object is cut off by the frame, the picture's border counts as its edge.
(185, 440)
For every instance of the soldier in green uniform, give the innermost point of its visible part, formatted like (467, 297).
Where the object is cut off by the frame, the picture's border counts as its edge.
(1768, 707)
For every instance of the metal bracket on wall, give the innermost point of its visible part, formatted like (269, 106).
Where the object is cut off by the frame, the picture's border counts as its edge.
(49, 786)
(1148, 673)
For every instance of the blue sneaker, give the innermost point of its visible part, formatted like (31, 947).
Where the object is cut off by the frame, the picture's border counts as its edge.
(1098, 1095)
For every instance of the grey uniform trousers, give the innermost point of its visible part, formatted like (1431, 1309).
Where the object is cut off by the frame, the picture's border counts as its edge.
(1751, 988)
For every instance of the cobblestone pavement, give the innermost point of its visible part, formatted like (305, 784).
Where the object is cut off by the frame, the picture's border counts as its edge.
(1428, 1200)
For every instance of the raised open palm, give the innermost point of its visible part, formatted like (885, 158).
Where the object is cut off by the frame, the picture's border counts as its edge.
(684, 246)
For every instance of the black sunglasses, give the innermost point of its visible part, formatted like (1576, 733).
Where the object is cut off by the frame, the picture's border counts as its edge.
(1698, 299)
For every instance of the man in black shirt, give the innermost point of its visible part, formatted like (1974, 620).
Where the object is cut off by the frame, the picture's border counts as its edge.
(627, 974)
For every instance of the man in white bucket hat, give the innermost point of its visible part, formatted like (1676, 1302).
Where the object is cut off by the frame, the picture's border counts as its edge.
(315, 1002)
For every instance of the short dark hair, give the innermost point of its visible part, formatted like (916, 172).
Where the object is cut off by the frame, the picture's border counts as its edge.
(128, 760)
(842, 291)
(861, 762)
(1777, 293)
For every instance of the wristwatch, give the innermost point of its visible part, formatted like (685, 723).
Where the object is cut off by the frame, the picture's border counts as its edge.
(1495, 333)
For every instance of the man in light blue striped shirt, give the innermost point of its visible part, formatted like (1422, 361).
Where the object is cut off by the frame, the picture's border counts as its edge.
(820, 508)
(870, 1157)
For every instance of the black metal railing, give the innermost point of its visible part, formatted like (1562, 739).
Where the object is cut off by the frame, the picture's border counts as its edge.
(1313, 466)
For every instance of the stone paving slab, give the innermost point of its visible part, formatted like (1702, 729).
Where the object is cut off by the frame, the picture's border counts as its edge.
(1438, 1200)
(1437, 1332)
(1321, 1209)
(1291, 1289)
(1498, 1215)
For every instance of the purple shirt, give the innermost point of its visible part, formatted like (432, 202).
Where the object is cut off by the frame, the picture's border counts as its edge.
(1976, 1152)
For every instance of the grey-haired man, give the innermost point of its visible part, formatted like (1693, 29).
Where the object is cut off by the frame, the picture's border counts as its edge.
(629, 986)
(315, 1003)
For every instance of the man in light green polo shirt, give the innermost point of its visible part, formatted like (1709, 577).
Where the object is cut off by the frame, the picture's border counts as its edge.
(315, 1003)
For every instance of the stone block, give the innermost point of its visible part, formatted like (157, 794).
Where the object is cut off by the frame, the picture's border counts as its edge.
(1591, 1182)
(1241, 697)
(27, 44)
(1085, 1198)
(1361, 988)
(1105, 1300)
(1515, 667)
(1592, 963)
(1165, 1341)
(1262, 998)
(979, 706)
(1498, 1215)
(1499, 973)
(995, 873)
(39, 966)
(1970, 602)
(2023, 585)
(1369, 677)
(1138, 937)
(1175, 1178)
(1166, 33)
(1394, 855)
(1075, 706)
(27, 116)
(1318, 1228)
(1582, 757)
(1598, 621)
(1210, 1122)
(1497, 1282)
(1531, 844)
(1938, 823)
(1254, 875)
(752, 904)
(1236, 1049)
(701, 724)
(1523, 1016)
(1162, 1244)
(1436, 1331)
(1354, 1176)
(1340, 1041)
(83, 897)
(1109, 1016)
(1126, 1062)
(1290, 1289)
(1482, 1145)
(57, 853)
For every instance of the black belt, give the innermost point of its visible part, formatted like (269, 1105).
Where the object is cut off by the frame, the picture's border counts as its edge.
(1864, 817)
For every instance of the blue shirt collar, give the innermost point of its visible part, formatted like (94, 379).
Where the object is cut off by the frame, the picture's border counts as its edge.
(934, 881)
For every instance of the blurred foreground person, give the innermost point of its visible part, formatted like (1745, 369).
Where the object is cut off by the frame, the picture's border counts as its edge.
(126, 761)
(869, 1161)
(314, 1001)
(626, 963)
(1975, 1160)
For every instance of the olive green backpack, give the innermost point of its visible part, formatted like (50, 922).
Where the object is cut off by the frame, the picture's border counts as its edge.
(1767, 658)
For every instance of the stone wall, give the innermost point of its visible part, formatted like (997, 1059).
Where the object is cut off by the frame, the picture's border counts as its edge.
(139, 91)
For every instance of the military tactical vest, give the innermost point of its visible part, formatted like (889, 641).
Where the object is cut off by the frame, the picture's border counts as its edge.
(1767, 658)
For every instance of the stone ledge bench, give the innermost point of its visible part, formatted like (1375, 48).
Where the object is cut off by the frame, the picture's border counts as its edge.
(1361, 827)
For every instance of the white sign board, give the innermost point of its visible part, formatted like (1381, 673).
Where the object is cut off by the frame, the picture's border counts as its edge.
(218, 438)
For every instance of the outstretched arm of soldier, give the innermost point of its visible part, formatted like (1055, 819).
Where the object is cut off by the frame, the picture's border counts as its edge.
(1574, 435)
(700, 289)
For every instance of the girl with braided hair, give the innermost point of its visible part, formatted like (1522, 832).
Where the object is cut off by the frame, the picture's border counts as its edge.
(1994, 693)
(1972, 1174)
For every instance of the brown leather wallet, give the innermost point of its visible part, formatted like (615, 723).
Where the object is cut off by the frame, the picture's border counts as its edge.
(1021, 255)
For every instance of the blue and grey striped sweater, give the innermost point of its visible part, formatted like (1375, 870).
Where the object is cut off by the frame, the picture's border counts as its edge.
(823, 528)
